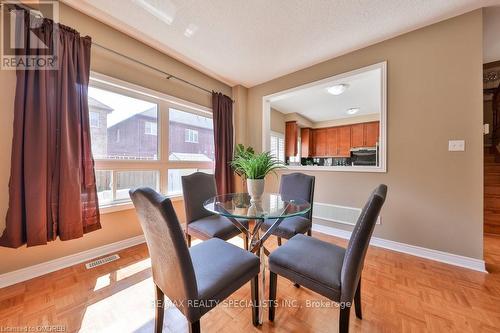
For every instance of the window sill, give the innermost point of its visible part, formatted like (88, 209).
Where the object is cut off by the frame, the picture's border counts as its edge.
(112, 208)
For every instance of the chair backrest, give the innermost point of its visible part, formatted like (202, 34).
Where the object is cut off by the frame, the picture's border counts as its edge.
(358, 244)
(197, 188)
(298, 186)
(171, 263)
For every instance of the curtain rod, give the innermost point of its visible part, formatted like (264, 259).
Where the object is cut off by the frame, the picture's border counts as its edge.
(168, 75)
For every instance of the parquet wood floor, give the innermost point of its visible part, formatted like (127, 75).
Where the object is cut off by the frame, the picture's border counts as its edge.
(400, 293)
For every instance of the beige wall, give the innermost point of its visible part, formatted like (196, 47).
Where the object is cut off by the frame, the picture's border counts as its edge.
(435, 197)
(115, 226)
(277, 121)
(348, 121)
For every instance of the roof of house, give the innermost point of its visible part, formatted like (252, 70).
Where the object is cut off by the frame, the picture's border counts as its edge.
(192, 157)
(95, 104)
(181, 117)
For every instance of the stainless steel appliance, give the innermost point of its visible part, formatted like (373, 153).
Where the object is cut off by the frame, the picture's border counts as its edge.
(364, 156)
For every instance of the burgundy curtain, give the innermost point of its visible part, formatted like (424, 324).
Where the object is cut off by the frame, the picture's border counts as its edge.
(52, 183)
(222, 107)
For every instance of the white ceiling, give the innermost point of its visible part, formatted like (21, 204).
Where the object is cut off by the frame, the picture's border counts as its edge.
(252, 41)
(317, 104)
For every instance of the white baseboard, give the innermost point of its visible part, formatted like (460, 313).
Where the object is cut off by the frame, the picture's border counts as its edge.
(448, 258)
(27, 273)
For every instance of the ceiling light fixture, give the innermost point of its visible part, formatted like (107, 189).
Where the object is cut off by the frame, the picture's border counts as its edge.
(337, 89)
(190, 30)
(352, 111)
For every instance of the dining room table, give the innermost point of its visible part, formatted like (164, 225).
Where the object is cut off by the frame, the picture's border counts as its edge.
(270, 206)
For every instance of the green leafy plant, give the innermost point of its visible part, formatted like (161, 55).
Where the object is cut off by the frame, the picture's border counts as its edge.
(249, 165)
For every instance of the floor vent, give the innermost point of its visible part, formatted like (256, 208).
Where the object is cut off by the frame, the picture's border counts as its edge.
(336, 213)
(102, 261)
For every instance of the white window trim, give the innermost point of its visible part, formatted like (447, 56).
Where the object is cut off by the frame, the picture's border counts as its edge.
(279, 136)
(149, 127)
(162, 164)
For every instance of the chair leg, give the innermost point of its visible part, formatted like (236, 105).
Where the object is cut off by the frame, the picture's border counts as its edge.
(273, 284)
(357, 300)
(194, 327)
(159, 310)
(279, 241)
(254, 285)
(188, 239)
(344, 320)
(245, 240)
(309, 232)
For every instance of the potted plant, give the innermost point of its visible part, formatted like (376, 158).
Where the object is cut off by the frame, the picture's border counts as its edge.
(254, 168)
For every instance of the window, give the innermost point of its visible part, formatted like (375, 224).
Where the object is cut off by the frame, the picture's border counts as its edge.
(278, 146)
(127, 145)
(190, 136)
(175, 179)
(150, 128)
(119, 139)
(94, 119)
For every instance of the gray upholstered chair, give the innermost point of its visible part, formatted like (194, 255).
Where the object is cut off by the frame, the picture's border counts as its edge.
(295, 186)
(328, 269)
(200, 223)
(194, 279)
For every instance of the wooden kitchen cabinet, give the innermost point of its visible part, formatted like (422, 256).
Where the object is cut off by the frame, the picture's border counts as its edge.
(307, 142)
(365, 134)
(371, 134)
(291, 135)
(344, 141)
(332, 145)
(319, 138)
(338, 141)
(357, 135)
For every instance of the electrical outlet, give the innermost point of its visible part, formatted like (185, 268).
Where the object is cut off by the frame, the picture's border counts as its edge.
(456, 145)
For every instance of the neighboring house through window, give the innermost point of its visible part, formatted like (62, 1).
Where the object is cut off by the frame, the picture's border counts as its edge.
(190, 135)
(126, 146)
(150, 128)
(94, 119)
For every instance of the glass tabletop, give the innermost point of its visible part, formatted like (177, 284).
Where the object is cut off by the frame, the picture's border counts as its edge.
(271, 206)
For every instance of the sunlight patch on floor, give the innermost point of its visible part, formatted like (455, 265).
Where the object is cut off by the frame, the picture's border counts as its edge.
(129, 310)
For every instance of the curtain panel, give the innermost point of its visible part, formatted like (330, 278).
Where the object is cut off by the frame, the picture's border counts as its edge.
(52, 190)
(222, 108)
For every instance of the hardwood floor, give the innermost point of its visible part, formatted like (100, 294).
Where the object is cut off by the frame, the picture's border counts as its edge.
(400, 293)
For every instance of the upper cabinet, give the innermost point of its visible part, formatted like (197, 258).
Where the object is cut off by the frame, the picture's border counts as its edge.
(291, 136)
(307, 142)
(371, 134)
(337, 141)
(344, 141)
(365, 135)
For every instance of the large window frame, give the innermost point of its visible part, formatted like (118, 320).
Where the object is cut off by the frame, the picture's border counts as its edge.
(164, 102)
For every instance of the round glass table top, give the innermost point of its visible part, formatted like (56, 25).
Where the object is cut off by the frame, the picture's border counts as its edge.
(270, 206)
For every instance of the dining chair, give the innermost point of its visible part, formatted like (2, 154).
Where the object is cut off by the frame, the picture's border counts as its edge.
(200, 223)
(327, 269)
(194, 279)
(294, 186)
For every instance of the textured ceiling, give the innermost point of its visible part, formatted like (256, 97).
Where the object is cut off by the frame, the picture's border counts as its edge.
(250, 42)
